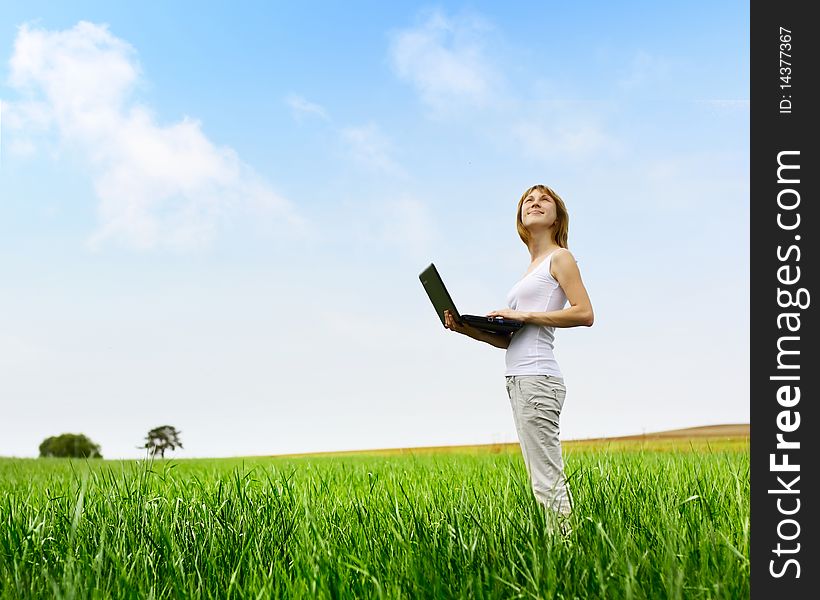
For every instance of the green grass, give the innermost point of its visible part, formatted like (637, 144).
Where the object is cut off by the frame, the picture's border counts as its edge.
(647, 524)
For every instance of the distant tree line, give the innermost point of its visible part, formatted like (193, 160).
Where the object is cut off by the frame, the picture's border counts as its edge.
(69, 445)
(76, 445)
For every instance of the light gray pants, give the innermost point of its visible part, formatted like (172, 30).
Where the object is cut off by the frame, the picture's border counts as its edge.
(536, 402)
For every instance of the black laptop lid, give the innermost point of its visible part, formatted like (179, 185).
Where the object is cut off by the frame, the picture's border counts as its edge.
(438, 294)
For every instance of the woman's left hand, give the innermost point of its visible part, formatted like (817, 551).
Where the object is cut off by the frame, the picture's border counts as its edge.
(507, 313)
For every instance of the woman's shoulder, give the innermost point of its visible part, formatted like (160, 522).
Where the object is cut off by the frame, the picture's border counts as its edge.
(562, 259)
(563, 256)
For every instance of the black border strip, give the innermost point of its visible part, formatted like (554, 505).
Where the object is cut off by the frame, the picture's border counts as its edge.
(784, 227)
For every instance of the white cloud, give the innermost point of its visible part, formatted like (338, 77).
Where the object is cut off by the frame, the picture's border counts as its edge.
(644, 69)
(31, 115)
(368, 146)
(563, 137)
(390, 222)
(22, 147)
(304, 108)
(448, 62)
(725, 106)
(445, 61)
(158, 185)
(408, 225)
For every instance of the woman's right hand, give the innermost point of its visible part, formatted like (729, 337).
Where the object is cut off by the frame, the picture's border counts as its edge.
(453, 325)
(498, 340)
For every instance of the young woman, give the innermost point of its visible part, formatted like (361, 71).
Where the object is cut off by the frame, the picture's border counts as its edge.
(535, 384)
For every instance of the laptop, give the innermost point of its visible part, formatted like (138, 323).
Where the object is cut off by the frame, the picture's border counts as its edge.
(442, 301)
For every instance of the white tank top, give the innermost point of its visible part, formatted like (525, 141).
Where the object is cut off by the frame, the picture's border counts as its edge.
(530, 349)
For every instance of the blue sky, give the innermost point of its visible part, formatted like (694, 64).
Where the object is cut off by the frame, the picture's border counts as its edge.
(215, 218)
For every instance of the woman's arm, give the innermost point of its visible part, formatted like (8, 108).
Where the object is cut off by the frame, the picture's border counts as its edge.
(499, 340)
(569, 277)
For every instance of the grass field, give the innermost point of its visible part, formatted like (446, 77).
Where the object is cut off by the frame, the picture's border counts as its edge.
(669, 520)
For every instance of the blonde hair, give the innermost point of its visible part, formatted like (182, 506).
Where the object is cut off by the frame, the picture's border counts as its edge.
(561, 229)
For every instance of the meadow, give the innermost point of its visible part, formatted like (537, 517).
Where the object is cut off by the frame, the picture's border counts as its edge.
(651, 520)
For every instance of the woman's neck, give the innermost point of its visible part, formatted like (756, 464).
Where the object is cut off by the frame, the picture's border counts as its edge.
(539, 247)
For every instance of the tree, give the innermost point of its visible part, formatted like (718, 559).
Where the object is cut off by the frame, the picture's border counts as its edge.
(160, 439)
(70, 445)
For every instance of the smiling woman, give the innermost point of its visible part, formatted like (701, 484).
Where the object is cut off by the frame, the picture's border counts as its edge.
(535, 384)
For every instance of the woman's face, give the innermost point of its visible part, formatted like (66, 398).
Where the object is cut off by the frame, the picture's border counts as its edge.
(538, 211)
